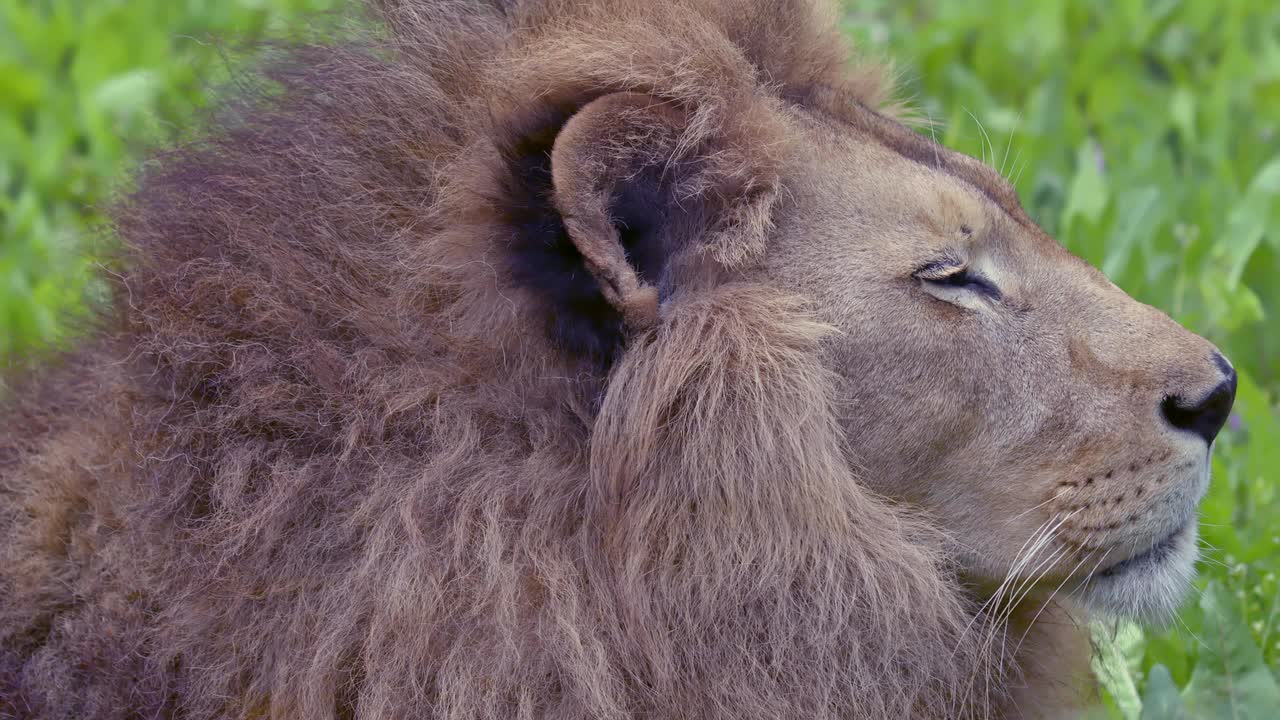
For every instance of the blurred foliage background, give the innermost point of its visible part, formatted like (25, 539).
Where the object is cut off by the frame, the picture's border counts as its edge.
(86, 86)
(1145, 134)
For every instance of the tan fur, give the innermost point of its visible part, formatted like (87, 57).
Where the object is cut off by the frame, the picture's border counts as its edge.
(570, 359)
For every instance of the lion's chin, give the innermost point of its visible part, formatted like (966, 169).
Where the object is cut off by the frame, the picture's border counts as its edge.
(1147, 588)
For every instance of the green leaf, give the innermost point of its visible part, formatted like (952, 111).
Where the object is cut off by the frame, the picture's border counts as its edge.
(1229, 308)
(1231, 680)
(1251, 218)
(1182, 112)
(1160, 699)
(1138, 217)
(1114, 664)
(1087, 197)
(126, 93)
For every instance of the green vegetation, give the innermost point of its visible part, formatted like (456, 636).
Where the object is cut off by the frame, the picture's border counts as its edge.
(84, 86)
(1143, 133)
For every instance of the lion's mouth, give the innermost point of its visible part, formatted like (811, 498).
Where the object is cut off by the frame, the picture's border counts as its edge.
(1160, 551)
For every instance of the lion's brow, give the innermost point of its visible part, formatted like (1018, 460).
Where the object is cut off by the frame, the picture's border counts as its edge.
(900, 139)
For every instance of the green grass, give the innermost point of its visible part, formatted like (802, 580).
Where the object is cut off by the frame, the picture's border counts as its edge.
(1145, 134)
(84, 86)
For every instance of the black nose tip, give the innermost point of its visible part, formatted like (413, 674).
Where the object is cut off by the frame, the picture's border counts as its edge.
(1206, 417)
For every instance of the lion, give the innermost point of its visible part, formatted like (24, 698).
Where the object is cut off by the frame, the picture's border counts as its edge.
(591, 359)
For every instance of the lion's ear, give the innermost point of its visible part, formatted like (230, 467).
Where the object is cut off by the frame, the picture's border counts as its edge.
(607, 208)
(615, 172)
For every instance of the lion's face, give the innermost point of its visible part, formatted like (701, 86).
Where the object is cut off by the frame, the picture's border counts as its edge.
(1059, 429)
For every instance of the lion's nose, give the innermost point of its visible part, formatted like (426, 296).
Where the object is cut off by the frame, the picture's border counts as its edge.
(1206, 417)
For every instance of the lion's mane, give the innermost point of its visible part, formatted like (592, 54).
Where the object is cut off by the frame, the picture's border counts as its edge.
(351, 443)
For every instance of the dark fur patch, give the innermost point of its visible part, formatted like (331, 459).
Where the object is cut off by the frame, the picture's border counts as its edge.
(650, 221)
(541, 257)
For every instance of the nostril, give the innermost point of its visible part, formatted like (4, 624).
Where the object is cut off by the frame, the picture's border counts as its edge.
(1205, 418)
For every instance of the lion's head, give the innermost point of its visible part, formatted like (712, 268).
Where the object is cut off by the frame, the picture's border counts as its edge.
(590, 358)
(1057, 428)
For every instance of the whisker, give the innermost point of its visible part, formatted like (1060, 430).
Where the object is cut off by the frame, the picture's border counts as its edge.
(1044, 540)
(1010, 586)
(1205, 544)
(1036, 617)
(985, 136)
(1029, 548)
(1030, 509)
(1199, 643)
(1018, 175)
(1092, 571)
(1028, 585)
(1024, 589)
(937, 161)
(1210, 560)
(1009, 144)
(1009, 576)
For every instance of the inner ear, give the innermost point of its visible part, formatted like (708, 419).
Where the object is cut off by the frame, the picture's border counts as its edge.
(614, 167)
(644, 218)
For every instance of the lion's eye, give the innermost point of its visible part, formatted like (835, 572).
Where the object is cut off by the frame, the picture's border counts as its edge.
(954, 277)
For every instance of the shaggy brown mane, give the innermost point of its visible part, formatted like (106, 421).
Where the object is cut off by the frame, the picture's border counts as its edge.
(362, 440)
